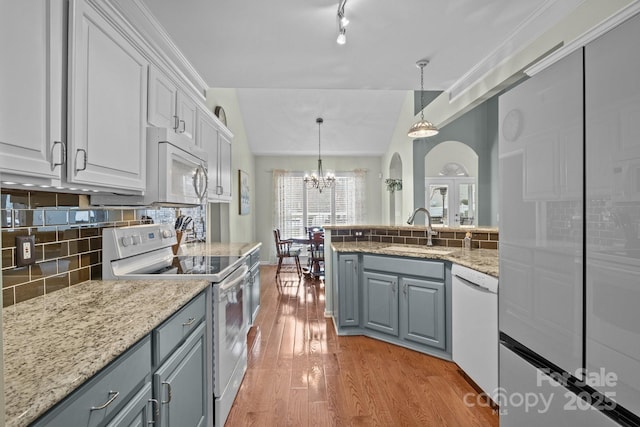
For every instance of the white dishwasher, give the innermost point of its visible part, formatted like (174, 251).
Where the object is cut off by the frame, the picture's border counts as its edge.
(474, 323)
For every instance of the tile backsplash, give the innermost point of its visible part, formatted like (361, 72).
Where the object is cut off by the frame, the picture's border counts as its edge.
(450, 237)
(68, 237)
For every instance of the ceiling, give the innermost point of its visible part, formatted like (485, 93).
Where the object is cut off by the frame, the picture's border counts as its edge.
(283, 58)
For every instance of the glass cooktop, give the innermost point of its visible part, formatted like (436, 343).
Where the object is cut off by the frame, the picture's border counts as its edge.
(198, 265)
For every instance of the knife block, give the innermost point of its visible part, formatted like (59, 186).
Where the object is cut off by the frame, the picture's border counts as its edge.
(176, 247)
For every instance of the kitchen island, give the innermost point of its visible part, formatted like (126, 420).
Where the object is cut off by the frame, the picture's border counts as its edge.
(482, 260)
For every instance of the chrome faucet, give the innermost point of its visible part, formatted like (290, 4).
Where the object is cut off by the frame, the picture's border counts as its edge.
(430, 231)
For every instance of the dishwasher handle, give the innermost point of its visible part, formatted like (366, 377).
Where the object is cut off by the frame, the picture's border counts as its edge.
(472, 284)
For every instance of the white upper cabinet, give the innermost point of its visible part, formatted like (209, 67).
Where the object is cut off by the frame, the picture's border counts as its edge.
(170, 107)
(31, 81)
(224, 164)
(186, 112)
(215, 139)
(162, 100)
(107, 104)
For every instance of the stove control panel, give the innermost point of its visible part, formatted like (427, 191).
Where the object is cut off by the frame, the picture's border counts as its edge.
(124, 242)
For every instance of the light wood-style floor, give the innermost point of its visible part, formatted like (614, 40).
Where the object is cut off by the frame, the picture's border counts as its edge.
(301, 374)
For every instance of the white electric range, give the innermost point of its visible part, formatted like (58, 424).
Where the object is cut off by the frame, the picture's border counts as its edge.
(145, 252)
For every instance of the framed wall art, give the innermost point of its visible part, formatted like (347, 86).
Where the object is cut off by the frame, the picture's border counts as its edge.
(245, 195)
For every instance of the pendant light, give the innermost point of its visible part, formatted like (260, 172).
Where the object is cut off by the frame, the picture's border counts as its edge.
(422, 128)
(318, 179)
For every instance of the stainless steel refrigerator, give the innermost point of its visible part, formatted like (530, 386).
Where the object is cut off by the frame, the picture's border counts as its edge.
(569, 299)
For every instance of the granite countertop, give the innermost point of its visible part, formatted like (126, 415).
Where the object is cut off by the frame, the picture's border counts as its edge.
(478, 229)
(483, 260)
(214, 249)
(54, 343)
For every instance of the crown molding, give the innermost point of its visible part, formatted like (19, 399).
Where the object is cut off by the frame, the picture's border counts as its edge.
(145, 23)
(613, 21)
(543, 18)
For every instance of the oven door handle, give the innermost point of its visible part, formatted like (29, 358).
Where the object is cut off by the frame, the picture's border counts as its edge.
(230, 282)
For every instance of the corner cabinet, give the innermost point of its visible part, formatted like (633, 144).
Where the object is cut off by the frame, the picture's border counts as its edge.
(107, 104)
(405, 301)
(213, 137)
(31, 82)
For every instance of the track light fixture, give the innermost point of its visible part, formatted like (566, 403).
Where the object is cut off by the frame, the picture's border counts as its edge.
(342, 23)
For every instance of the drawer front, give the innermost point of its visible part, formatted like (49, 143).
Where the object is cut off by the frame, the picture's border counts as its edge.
(124, 376)
(172, 332)
(404, 266)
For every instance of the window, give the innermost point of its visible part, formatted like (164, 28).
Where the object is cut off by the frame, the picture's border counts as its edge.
(297, 207)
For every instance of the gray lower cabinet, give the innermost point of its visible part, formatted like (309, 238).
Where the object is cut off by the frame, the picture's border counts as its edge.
(139, 411)
(380, 302)
(348, 291)
(125, 393)
(181, 384)
(254, 285)
(107, 395)
(400, 299)
(423, 312)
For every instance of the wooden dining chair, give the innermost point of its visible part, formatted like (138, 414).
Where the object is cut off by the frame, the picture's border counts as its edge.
(317, 254)
(284, 250)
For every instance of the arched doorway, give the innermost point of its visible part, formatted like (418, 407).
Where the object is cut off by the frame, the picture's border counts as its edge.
(451, 181)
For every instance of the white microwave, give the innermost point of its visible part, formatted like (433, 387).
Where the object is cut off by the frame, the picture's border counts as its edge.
(176, 173)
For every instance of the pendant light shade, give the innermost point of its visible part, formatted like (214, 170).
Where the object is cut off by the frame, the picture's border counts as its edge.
(422, 128)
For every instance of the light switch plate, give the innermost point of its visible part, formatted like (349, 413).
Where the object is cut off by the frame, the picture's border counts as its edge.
(25, 250)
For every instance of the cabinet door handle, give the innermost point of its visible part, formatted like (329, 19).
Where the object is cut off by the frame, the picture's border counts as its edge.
(176, 122)
(63, 154)
(168, 392)
(404, 288)
(393, 286)
(84, 164)
(184, 126)
(113, 394)
(189, 322)
(155, 410)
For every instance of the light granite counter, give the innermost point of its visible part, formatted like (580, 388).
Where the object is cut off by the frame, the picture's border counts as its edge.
(54, 343)
(218, 249)
(483, 260)
(438, 228)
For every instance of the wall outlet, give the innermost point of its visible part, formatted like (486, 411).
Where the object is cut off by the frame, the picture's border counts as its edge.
(358, 233)
(25, 250)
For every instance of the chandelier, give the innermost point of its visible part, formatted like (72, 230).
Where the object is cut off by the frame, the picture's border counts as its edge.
(318, 179)
(422, 128)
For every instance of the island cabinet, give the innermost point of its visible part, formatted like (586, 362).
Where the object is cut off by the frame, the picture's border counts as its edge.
(405, 297)
(348, 290)
(401, 300)
(161, 380)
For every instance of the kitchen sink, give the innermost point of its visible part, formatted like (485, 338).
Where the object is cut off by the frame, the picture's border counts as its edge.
(427, 250)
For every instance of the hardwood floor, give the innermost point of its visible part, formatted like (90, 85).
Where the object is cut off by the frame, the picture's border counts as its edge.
(300, 373)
